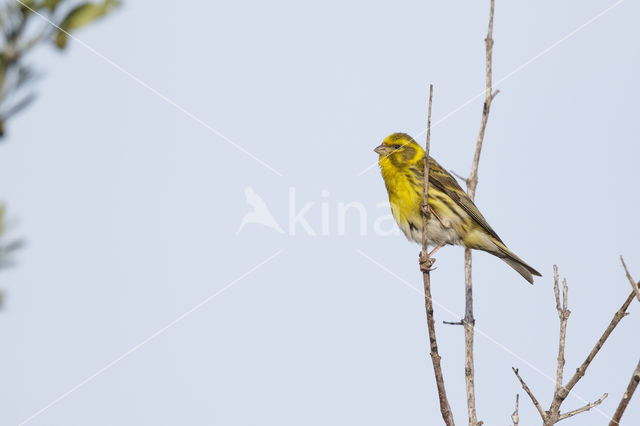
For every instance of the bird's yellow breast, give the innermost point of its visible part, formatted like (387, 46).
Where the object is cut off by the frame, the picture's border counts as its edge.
(406, 194)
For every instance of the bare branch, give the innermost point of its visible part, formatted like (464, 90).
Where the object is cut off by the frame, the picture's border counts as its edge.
(425, 266)
(472, 183)
(530, 393)
(634, 285)
(635, 377)
(553, 415)
(563, 315)
(562, 392)
(462, 178)
(626, 397)
(583, 409)
(580, 371)
(515, 418)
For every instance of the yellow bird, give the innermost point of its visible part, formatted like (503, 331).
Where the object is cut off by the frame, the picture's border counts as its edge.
(454, 219)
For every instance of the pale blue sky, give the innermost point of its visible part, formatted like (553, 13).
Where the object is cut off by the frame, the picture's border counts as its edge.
(130, 208)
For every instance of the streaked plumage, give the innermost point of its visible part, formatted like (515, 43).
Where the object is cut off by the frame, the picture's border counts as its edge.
(456, 219)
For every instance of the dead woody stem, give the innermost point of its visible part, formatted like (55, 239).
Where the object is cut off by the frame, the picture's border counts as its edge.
(515, 418)
(472, 183)
(425, 264)
(626, 397)
(635, 377)
(553, 414)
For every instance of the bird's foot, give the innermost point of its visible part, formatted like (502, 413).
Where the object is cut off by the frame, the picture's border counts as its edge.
(426, 262)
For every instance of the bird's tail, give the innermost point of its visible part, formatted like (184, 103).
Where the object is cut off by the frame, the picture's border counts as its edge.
(490, 244)
(516, 263)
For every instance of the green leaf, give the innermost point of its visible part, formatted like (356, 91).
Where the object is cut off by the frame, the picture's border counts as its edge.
(81, 16)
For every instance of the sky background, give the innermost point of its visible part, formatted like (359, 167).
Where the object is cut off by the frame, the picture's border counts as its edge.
(131, 206)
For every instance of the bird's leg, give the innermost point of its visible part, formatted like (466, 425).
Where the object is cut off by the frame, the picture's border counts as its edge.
(435, 249)
(426, 262)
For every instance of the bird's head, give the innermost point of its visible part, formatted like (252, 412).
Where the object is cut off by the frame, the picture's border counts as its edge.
(400, 150)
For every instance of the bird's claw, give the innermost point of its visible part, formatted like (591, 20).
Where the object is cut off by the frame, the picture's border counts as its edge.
(426, 263)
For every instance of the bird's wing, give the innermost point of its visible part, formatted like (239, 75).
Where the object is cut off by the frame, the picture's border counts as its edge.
(441, 179)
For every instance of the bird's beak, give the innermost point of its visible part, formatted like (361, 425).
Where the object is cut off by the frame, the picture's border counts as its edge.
(382, 149)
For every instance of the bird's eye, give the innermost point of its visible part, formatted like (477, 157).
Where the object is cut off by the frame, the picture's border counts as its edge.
(397, 146)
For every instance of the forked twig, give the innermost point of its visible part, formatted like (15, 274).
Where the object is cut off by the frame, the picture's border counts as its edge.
(553, 414)
(563, 315)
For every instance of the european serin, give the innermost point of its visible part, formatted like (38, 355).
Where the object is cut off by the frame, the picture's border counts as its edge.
(454, 219)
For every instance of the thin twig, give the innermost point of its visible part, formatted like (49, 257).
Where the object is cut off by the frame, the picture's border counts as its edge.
(634, 285)
(426, 262)
(626, 397)
(635, 377)
(553, 414)
(462, 178)
(528, 391)
(563, 316)
(580, 371)
(472, 183)
(587, 407)
(515, 418)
